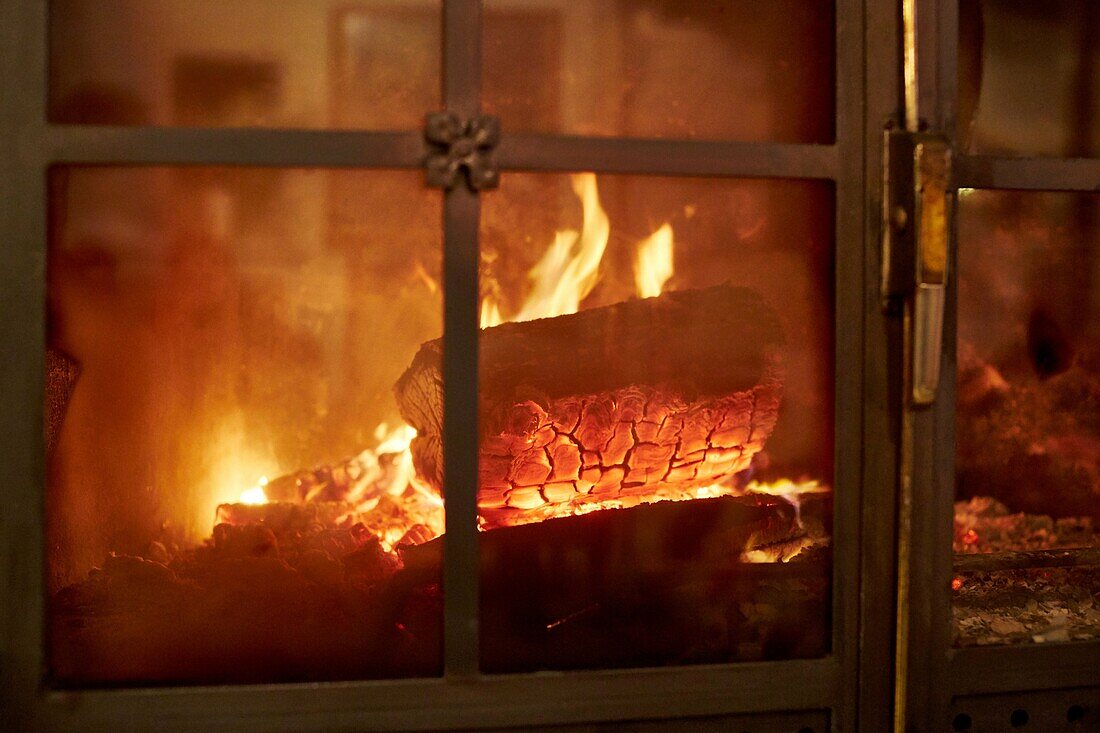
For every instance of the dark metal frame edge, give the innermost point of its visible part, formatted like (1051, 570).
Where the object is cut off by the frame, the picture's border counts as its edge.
(462, 697)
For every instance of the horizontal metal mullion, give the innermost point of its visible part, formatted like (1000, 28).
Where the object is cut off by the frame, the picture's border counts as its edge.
(519, 151)
(981, 670)
(229, 146)
(485, 702)
(1037, 174)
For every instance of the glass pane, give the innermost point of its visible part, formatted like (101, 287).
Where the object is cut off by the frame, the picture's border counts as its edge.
(656, 421)
(1028, 418)
(230, 481)
(246, 63)
(1029, 75)
(662, 69)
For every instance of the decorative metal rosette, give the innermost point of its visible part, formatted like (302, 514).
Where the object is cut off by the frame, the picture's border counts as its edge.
(462, 145)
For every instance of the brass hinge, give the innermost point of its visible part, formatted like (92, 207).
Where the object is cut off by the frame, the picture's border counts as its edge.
(916, 231)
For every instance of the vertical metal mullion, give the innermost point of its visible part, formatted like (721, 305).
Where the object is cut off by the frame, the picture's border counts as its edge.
(22, 369)
(941, 474)
(461, 217)
(928, 435)
(883, 69)
(849, 338)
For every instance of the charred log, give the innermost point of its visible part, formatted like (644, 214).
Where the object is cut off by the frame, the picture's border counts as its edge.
(640, 586)
(1026, 559)
(629, 403)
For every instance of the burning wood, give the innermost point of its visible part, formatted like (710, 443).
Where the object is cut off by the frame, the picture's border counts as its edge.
(632, 403)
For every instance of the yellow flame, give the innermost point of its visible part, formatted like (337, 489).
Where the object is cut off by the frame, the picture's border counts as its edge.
(255, 495)
(653, 262)
(392, 476)
(786, 487)
(490, 313)
(569, 268)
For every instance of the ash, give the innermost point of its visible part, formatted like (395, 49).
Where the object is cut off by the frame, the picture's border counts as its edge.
(1032, 606)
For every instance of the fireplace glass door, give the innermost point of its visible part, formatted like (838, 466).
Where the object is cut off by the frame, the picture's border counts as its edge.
(230, 483)
(1026, 525)
(314, 64)
(247, 416)
(1027, 530)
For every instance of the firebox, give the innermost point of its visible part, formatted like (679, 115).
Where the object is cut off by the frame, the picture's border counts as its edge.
(546, 364)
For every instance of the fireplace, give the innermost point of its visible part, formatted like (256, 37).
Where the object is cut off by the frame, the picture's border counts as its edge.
(512, 364)
(614, 421)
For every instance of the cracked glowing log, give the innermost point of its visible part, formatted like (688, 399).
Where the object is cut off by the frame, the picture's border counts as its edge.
(642, 401)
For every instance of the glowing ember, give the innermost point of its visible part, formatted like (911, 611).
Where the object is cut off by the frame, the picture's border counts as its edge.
(789, 490)
(956, 583)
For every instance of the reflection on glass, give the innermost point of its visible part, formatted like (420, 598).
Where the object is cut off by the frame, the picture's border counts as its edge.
(246, 63)
(662, 69)
(656, 421)
(1028, 418)
(230, 481)
(1029, 75)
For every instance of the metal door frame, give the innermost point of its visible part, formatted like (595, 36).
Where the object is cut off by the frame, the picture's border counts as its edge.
(864, 451)
(941, 681)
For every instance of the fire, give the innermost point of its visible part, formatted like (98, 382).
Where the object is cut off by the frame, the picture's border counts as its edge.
(653, 262)
(791, 491)
(379, 488)
(387, 469)
(570, 267)
(256, 494)
(377, 491)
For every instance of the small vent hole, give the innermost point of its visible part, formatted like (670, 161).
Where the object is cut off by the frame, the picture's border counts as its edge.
(962, 721)
(1075, 713)
(1019, 718)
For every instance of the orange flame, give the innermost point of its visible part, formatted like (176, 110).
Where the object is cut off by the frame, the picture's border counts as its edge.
(256, 494)
(570, 267)
(653, 262)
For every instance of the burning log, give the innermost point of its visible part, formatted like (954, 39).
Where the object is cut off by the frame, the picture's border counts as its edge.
(615, 406)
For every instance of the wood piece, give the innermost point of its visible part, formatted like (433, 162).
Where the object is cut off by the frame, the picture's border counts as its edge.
(654, 535)
(620, 405)
(640, 586)
(983, 562)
